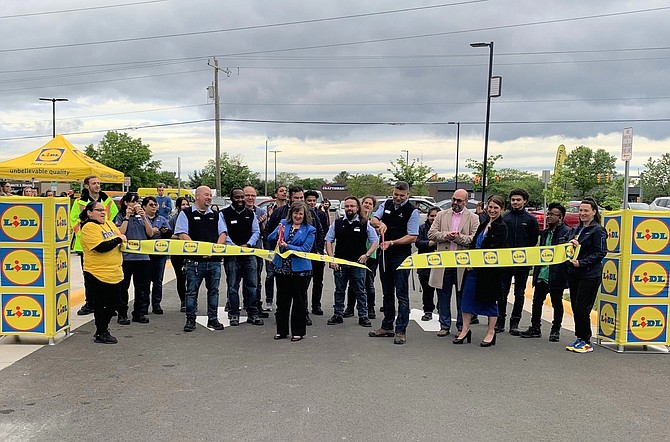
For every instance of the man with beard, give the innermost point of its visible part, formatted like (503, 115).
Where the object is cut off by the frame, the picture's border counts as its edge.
(243, 231)
(317, 266)
(452, 229)
(91, 192)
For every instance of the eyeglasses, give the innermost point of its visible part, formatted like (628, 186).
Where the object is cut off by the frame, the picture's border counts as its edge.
(152, 204)
(457, 200)
(552, 214)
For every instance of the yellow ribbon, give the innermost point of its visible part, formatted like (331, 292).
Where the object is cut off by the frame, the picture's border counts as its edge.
(513, 257)
(201, 248)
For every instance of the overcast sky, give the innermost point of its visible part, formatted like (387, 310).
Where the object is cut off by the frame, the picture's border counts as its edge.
(574, 72)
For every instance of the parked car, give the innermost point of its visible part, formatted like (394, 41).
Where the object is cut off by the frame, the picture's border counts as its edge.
(421, 204)
(446, 204)
(571, 214)
(660, 203)
(637, 206)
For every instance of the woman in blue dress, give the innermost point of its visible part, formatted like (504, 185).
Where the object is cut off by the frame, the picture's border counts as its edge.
(481, 286)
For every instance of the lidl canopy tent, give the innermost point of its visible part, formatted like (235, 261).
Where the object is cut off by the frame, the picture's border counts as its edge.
(58, 160)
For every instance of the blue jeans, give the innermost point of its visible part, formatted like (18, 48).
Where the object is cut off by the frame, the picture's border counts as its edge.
(444, 301)
(395, 284)
(156, 271)
(240, 268)
(196, 271)
(355, 277)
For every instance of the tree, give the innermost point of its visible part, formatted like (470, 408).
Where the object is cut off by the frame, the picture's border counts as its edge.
(342, 177)
(311, 183)
(505, 180)
(655, 179)
(128, 155)
(233, 173)
(557, 190)
(612, 196)
(168, 178)
(414, 174)
(583, 165)
(287, 178)
(367, 184)
(478, 168)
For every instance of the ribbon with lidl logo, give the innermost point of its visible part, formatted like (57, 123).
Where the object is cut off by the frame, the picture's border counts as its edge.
(529, 256)
(201, 248)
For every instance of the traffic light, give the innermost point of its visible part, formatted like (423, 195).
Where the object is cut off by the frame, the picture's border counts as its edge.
(607, 177)
(599, 177)
(477, 179)
(497, 177)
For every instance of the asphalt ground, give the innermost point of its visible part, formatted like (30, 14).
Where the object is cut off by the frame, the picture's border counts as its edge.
(161, 384)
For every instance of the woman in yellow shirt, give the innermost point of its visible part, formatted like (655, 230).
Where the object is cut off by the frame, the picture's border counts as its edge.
(101, 241)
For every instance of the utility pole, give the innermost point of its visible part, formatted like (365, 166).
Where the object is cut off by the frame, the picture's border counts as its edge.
(215, 64)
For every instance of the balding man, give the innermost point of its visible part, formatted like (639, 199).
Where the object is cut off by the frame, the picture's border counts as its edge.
(452, 229)
(201, 223)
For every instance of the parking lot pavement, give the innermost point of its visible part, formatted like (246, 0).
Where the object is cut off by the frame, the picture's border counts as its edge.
(159, 383)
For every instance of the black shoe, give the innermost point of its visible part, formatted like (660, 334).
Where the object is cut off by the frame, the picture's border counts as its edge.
(427, 316)
(335, 319)
(85, 310)
(500, 325)
(114, 313)
(123, 320)
(105, 338)
(190, 325)
(474, 320)
(234, 321)
(490, 343)
(182, 309)
(214, 324)
(364, 322)
(308, 321)
(317, 311)
(227, 307)
(348, 313)
(157, 311)
(554, 336)
(532, 332)
(514, 328)
(372, 314)
(381, 309)
(263, 314)
(462, 339)
(255, 321)
(141, 319)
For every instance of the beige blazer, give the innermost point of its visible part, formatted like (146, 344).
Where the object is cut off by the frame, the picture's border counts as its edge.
(438, 233)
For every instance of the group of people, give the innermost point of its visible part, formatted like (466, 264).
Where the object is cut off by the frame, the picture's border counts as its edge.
(378, 239)
(6, 190)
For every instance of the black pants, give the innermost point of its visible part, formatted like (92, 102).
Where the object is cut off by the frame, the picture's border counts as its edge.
(520, 276)
(317, 284)
(583, 293)
(88, 298)
(428, 292)
(139, 272)
(104, 300)
(291, 301)
(259, 278)
(178, 265)
(539, 295)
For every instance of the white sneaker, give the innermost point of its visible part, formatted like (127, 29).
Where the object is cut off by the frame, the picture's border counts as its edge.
(268, 307)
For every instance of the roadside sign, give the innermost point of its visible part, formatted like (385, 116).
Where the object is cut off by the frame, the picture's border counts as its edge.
(627, 144)
(126, 181)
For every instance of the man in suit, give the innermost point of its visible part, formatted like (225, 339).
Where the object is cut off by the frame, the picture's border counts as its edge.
(453, 229)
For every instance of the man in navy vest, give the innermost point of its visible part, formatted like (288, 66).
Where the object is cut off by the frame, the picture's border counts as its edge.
(397, 221)
(352, 234)
(243, 231)
(201, 223)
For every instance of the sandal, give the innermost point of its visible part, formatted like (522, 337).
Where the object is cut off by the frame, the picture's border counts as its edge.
(296, 338)
(277, 337)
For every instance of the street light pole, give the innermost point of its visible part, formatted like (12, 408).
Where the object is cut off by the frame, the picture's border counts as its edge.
(458, 143)
(275, 152)
(488, 114)
(266, 167)
(53, 119)
(407, 156)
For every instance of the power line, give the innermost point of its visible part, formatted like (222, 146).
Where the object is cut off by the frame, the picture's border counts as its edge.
(91, 8)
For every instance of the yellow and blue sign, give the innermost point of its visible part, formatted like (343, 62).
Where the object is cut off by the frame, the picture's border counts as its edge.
(62, 272)
(647, 323)
(49, 155)
(62, 222)
(649, 279)
(651, 236)
(610, 277)
(22, 313)
(62, 310)
(22, 267)
(21, 222)
(607, 320)
(613, 227)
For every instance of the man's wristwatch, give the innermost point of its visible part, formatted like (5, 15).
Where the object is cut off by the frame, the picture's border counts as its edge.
(367, 255)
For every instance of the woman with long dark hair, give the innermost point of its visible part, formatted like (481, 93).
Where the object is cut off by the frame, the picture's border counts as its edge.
(178, 260)
(100, 240)
(585, 271)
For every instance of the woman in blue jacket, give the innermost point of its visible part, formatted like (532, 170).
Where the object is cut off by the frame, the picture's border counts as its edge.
(585, 272)
(293, 273)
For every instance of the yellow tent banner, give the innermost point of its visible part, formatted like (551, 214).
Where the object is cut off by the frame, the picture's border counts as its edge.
(58, 160)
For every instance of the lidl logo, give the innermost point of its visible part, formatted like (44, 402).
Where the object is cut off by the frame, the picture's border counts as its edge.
(547, 255)
(463, 258)
(613, 227)
(61, 223)
(491, 257)
(407, 262)
(62, 310)
(21, 222)
(519, 256)
(648, 278)
(607, 320)
(161, 246)
(133, 244)
(22, 313)
(434, 259)
(610, 277)
(651, 235)
(22, 267)
(647, 323)
(191, 247)
(62, 263)
(219, 248)
(49, 155)
(570, 252)
(246, 250)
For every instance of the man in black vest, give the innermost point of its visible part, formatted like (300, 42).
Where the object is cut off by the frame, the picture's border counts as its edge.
(243, 231)
(317, 266)
(352, 234)
(398, 223)
(201, 223)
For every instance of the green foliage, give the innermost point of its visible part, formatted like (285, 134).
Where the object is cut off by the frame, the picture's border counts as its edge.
(557, 190)
(128, 155)
(655, 179)
(342, 177)
(233, 173)
(287, 178)
(168, 178)
(478, 170)
(367, 184)
(612, 195)
(582, 166)
(505, 180)
(311, 183)
(414, 173)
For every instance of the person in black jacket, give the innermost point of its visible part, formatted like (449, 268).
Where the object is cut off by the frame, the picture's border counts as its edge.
(318, 267)
(522, 232)
(552, 279)
(585, 272)
(425, 245)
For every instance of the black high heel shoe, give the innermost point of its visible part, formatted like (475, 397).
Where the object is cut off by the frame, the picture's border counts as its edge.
(490, 343)
(467, 336)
